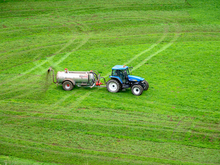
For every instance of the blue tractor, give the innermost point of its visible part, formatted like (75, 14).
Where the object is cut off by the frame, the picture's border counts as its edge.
(121, 78)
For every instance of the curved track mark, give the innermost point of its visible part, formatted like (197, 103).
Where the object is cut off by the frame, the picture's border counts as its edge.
(159, 51)
(80, 99)
(147, 50)
(49, 60)
(41, 63)
(64, 98)
(85, 40)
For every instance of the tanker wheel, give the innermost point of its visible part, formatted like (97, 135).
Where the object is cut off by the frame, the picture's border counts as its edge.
(146, 86)
(137, 90)
(67, 85)
(113, 86)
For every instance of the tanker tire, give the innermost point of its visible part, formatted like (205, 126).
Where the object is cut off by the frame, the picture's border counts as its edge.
(113, 86)
(67, 85)
(146, 85)
(137, 90)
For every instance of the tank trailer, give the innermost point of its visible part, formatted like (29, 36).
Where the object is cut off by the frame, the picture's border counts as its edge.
(120, 78)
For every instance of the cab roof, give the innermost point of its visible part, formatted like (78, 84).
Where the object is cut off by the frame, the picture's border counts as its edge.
(119, 67)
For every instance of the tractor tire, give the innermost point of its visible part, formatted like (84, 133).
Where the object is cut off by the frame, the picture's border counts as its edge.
(67, 85)
(146, 86)
(137, 90)
(113, 86)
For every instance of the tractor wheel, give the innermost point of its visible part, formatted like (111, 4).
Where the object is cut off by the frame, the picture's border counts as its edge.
(113, 86)
(67, 85)
(137, 90)
(146, 85)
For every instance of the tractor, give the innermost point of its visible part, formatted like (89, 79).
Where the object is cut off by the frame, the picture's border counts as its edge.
(121, 78)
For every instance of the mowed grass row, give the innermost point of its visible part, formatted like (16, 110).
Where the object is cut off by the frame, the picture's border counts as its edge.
(175, 122)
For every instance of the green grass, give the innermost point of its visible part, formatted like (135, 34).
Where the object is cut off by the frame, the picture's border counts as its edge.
(173, 44)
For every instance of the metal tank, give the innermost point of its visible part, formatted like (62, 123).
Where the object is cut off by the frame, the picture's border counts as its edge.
(79, 77)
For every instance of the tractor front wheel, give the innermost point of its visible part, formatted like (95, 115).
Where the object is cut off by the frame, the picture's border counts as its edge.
(67, 85)
(146, 85)
(137, 90)
(113, 86)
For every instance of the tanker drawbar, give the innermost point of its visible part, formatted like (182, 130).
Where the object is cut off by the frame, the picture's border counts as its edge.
(68, 79)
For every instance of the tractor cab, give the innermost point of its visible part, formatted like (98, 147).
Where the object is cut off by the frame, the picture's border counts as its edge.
(120, 72)
(123, 74)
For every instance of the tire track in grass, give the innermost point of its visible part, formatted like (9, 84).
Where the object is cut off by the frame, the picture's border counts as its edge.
(124, 119)
(85, 40)
(71, 93)
(151, 47)
(57, 52)
(31, 27)
(41, 63)
(145, 51)
(100, 153)
(14, 86)
(163, 127)
(26, 51)
(55, 64)
(101, 134)
(120, 123)
(108, 123)
(44, 69)
(80, 99)
(136, 116)
(49, 59)
(159, 51)
(88, 153)
(104, 153)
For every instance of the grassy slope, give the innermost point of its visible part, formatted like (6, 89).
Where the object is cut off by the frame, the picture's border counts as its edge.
(173, 44)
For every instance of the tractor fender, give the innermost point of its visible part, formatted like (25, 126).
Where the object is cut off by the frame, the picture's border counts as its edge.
(117, 78)
(72, 81)
(137, 83)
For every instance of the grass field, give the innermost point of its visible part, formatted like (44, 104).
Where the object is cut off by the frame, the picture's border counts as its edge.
(173, 44)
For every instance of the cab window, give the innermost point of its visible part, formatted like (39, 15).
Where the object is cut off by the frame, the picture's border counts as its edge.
(114, 73)
(127, 70)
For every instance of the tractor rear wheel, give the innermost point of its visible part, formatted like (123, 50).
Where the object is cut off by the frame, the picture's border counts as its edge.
(146, 85)
(113, 86)
(67, 85)
(137, 90)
